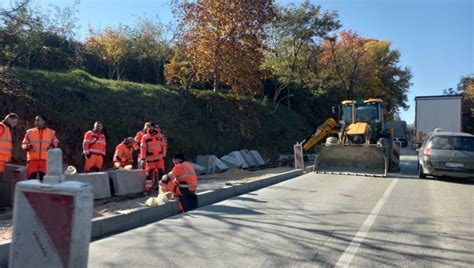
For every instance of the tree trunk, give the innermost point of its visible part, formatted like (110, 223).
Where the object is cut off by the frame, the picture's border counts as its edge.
(216, 82)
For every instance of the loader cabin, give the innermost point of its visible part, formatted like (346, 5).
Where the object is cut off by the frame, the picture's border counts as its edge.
(369, 111)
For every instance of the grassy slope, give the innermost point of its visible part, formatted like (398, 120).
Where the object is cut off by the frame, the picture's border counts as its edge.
(197, 122)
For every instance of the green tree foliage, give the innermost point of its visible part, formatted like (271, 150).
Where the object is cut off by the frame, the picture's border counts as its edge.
(466, 87)
(294, 39)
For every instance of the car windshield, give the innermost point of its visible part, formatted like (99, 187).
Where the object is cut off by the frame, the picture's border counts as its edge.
(453, 143)
(367, 113)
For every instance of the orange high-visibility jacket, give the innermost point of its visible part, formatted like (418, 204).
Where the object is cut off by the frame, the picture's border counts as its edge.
(123, 154)
(94, 143)
(152, 147)
(185, 174)
(41, 140)
(6, 145)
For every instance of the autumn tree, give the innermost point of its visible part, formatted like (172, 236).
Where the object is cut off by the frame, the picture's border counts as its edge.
(224, 40)
(366, 68)
(111, 45)
(180, 71)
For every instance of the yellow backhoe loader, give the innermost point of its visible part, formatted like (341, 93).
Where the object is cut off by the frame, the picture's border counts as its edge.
(357, 144)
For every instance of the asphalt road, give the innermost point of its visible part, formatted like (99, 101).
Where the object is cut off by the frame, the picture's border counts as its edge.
(313, 220)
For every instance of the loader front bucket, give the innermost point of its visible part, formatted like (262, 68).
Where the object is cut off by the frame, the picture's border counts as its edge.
(362, 160)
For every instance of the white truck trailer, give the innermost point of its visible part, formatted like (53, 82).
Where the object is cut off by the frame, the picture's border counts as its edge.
(433, 112)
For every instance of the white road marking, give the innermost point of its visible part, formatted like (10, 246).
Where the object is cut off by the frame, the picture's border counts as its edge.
(351, 250)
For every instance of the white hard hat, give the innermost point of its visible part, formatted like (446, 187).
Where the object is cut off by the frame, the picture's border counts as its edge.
(70, 170)
(437, 129)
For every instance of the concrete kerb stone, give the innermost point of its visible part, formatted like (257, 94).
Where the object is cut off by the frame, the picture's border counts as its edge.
(99, 181)
(96, 230)
(225, 192)
(206, 198)
(4, 253)
(241, 189)
(113, 224)
(154, 214)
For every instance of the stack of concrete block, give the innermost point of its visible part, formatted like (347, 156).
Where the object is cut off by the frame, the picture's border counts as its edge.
(99, 181)
(258, 158)
(200, 170)
(251, 162)
(12, 174)
(231, 162)
(210, 163)
(237, 155)
(221, 166)
(126, 182)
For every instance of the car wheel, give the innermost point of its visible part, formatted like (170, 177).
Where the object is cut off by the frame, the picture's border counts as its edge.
(421, 174)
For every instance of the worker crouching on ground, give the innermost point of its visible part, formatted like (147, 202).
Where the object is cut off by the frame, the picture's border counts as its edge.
(94, 145)
(152, 149)
(123, 155)
(36, 143)
(182, 183)
(6, 142)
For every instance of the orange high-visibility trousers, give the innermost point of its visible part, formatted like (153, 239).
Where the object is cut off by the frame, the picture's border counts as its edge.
(94, 161)
(33, 166)
(2, 167)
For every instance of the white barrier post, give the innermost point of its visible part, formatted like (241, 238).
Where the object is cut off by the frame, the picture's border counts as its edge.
(51, 220)
(298, 155)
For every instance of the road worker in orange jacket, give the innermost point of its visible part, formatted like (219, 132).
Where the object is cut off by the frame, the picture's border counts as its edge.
(94, 146)
(151, 152)
(6, 142)
(138, 140)
(182, 182)
(164, 151)
(36, 142)
(123, 155)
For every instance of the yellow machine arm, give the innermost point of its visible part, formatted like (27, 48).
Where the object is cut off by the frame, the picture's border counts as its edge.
(322, 132)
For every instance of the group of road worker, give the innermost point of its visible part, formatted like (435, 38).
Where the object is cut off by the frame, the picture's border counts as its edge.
(181, 182)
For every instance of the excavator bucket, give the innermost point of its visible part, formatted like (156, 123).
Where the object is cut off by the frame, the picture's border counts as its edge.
(362, 160)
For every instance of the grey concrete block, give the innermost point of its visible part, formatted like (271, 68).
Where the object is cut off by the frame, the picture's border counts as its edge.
(4, 253)
(99, 181)
(154, 214)
(238, 155)
(8, 181)
(206, 198)
(208, 162)
(256, 155)
(199, 169)
(127, 182)
(248, 158)
(231, 162)
(114, 224)
(221, 166)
